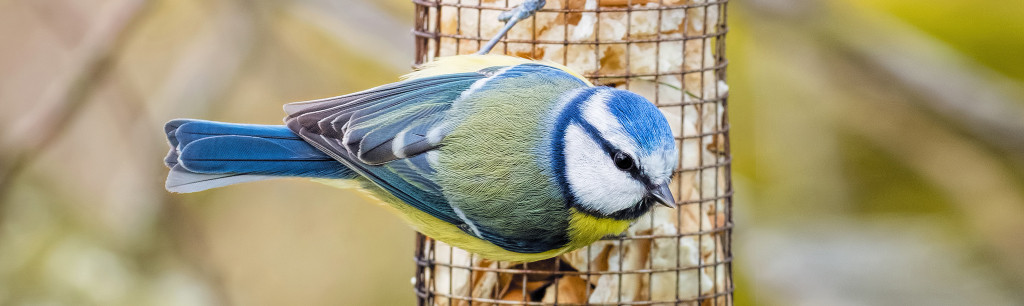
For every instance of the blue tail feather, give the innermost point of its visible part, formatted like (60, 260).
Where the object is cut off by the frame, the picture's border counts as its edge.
(207, 154)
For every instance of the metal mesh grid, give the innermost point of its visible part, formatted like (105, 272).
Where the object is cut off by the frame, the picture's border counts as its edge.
(670, 51)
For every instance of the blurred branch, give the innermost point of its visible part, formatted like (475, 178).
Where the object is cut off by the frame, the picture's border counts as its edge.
(931, 75)
(212, 62)
(349, 22)
(985, 103)
(92, 63)
(944, 81)
(983, 190)
(898, 77)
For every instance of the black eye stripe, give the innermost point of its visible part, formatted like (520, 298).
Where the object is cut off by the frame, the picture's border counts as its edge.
(595, 135)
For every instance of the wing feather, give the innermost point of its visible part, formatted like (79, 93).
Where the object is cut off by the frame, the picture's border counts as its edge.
(360, 130)
(388, 135)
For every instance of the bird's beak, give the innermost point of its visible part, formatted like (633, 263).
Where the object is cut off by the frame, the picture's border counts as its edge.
(663, 195)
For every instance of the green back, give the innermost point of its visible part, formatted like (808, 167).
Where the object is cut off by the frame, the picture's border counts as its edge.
(495, 164)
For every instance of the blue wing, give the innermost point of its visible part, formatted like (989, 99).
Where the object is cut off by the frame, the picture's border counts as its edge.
(360, 131)
(383, 133)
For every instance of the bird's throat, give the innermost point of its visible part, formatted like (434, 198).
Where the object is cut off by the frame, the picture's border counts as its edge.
(585, 228)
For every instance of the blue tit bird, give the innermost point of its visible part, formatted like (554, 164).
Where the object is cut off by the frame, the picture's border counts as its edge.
(508, 158)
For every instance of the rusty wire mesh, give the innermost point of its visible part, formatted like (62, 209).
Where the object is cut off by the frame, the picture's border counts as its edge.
(672, 52)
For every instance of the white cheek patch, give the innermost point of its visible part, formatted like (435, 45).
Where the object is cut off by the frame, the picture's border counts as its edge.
(593, 179)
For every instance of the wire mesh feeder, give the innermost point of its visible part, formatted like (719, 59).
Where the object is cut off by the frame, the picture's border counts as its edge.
(672, 52)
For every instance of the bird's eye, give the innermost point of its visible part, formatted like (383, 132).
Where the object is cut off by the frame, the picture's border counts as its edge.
(623, 161)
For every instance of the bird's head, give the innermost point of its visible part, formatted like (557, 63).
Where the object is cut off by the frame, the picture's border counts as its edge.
(617, 153)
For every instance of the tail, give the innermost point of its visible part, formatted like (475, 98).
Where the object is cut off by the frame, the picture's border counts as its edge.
(208, 154)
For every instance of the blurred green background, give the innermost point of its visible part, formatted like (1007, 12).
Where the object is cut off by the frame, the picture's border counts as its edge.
(879, 152)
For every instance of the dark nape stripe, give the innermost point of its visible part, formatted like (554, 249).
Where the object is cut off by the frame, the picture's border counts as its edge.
(568, 114)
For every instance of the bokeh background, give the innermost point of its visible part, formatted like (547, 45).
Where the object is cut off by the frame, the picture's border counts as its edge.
(879, 152)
